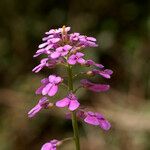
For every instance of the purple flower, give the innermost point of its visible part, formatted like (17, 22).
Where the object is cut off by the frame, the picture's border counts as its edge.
(42, 104)
(50, 41)
(50, 85)
(87, 41)
(90, 62)
(45, 50)
(51, 145)
(70, 101)
(97, 119)
(76, 58)
(82, 40)
(47, 62)
(61, 51)
(104, 73)
(94, 87)
(74, 37)
(41, 65)
(92, 118)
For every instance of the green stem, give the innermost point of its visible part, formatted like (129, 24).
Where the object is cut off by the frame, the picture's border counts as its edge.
(74, 118)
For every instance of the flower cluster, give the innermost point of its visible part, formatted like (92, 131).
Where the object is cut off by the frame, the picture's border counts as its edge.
(61, 48)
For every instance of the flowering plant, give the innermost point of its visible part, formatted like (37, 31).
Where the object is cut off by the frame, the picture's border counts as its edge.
(62, 48)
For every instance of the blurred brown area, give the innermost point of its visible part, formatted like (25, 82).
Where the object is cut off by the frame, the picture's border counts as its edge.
(122, 29)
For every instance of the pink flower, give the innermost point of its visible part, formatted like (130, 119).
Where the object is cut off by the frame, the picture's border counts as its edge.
(93, 86)
(104, 73)
(91, 118)
(70, 101)
(42, 104)
(50, 41)
(76, 58)
(45, 62)
(40, 66)
(61, 51)
(88, 41)
(97, 119)
(45, 50)
(51, 145)
(82, 40)
(90, 62)
(50, 85)
(74, 37)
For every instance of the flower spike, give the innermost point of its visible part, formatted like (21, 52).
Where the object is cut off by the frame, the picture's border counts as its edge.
(59, 47)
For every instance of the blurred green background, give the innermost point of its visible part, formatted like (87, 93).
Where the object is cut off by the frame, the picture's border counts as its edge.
(122, 29)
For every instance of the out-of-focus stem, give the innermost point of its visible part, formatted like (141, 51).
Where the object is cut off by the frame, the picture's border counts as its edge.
(74, 118)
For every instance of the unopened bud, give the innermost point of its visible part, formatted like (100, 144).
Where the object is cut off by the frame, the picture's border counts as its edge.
(90, 73)
(63, 30)
(50, 105)
(59, 143)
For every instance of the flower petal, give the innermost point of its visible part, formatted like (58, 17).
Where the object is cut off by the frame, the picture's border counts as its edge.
(54, 40)
(43, 45)
(108, 71)
(39, 90)
(46, 89)
(91, 120)
(72, 62)
(67, 47)
(47, 146)
(37, 68)
(86, 83)
(81, 61)
(49, 47)
(55, 55)
(99, 87)
(58, 80)
(73, 105)
(104, 124)
(107, 76)
(53, 90)
(43, 100)
(52, 78)
(62, 103)
(91, 39)
(34, 111)
(79, 54)
(59, 49)
(45, 81)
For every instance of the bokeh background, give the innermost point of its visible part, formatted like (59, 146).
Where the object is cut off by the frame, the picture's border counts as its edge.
(122, 29)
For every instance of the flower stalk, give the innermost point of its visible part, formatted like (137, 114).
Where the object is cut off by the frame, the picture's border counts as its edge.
(74, 118)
